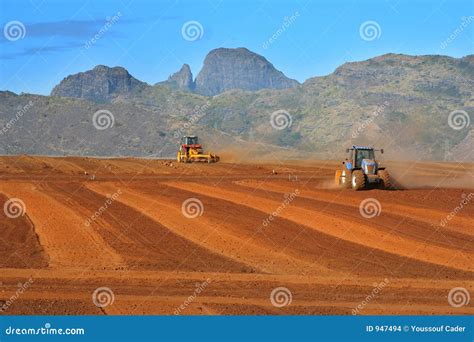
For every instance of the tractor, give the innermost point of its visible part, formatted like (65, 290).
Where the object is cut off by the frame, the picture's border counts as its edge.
(362, 170)
(191, 151)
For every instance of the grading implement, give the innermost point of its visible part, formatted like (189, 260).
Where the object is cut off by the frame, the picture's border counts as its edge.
(191, 151)
(362, 170)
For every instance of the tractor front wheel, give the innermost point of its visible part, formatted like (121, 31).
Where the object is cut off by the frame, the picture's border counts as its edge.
(358, 180)
(385, 182)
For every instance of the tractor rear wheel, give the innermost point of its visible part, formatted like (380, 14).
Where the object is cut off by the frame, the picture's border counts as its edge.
(358, 180)
(385, 182)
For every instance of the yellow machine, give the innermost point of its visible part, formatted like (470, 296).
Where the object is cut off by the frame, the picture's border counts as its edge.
(191, 151)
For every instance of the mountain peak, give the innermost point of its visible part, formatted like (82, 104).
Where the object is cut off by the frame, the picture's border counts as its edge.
(239, 68)
(100, 84)
(105, 68)
(182, 79)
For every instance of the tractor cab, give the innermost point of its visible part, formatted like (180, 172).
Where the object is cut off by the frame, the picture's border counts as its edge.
(189, 140)
(360, 153)
(361, 169)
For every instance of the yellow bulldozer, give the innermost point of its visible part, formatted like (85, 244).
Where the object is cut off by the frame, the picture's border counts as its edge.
(191, 151)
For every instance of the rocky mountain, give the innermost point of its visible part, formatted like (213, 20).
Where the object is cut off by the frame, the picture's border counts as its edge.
(100, 84)
(401, 103)
(226, 69)
(181, 80)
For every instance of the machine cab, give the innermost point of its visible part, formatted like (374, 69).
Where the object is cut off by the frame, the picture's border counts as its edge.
(189, 140)
(359, 154)
(362, 157)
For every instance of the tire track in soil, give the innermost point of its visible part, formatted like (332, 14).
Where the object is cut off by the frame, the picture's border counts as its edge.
(61, 231)
(19, 243)
(219, 233)
(413, 226)
(142, 242)
(408, 250)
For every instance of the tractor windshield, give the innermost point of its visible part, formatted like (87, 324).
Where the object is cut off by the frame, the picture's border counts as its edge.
(363, 154)
(190, 140)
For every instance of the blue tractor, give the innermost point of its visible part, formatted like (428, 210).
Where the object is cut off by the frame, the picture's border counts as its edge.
(361, 170)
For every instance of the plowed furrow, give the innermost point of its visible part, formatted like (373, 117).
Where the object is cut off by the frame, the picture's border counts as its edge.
(139, 240)
(393, 220)
(19, 244)
(344, 229)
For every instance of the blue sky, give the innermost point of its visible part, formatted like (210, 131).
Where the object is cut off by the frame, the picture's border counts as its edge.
(310, 38)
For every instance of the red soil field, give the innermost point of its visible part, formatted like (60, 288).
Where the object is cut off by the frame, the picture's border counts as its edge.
(120, 223)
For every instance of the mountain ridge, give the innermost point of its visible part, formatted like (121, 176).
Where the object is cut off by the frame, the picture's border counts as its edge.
(400, 102)
(224, 69)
